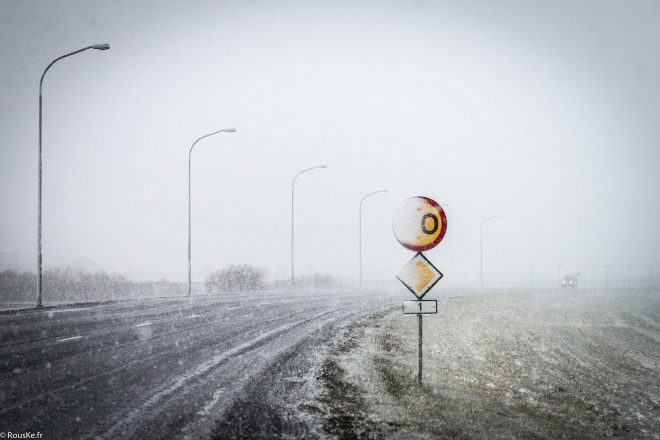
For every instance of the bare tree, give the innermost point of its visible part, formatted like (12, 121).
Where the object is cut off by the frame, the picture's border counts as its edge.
(235, 278)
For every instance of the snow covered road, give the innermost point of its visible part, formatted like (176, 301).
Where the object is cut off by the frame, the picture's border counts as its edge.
(169, 367)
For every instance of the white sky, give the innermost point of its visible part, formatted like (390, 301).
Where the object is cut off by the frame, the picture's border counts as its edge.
(543, 112)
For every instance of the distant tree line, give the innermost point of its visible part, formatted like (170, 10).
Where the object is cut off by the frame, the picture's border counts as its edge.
(78, 285)
(246, 278)
(236, 278)
(72, 284)
(17, 286)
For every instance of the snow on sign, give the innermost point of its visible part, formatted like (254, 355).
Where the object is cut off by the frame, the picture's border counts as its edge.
(419, 224)
(419, 275)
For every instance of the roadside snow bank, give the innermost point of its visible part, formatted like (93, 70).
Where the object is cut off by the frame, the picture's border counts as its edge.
(505, 366)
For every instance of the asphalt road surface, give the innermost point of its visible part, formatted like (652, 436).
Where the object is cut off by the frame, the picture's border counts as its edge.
(169, 367)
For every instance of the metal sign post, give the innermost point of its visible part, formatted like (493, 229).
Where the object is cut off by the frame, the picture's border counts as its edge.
(419, 349)
(419, 225)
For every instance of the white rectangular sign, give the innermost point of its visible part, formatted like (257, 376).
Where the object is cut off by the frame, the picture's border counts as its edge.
(420, 307)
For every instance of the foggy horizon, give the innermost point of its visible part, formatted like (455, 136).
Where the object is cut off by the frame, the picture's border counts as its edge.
(544, 114)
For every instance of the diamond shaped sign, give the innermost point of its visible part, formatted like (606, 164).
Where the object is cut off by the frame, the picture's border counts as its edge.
(419, 275)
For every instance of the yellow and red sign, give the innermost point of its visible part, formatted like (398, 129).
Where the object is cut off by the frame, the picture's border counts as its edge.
(419, 275)
(419, 224)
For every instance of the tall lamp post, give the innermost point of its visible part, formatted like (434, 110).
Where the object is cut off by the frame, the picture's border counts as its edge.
(293, 182)
(607, 277)
(226, 130)
(362, 200)
(482, 245)
(102, 46)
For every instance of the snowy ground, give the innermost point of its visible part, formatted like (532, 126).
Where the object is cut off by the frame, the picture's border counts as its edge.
(557, 365)
(335, 364)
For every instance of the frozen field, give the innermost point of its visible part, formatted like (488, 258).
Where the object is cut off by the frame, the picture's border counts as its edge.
(560, 365)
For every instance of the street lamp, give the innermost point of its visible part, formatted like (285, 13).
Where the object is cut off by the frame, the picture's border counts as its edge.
(103, 46)
(362, 200)
(292, 199)
(482, 245)
(559, 266)
(226, 130)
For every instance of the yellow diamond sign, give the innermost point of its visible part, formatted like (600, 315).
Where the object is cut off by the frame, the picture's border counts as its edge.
(419, 275)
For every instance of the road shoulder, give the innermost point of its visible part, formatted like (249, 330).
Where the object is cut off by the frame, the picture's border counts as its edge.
(293, 396)
(499, 367)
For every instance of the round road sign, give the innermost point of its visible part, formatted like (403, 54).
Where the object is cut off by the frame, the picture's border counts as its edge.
(419, 224)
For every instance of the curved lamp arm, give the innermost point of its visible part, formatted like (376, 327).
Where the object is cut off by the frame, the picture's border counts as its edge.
(102, 46)
(304, 171)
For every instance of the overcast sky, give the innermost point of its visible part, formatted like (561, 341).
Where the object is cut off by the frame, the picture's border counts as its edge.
(545, 113)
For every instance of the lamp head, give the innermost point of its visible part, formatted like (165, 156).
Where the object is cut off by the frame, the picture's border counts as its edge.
(101, 46)
(229, 130)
